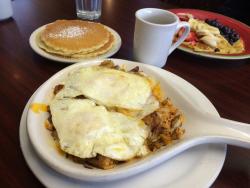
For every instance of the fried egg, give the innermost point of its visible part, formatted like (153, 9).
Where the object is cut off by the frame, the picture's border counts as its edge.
(126, 92)
(85, 129)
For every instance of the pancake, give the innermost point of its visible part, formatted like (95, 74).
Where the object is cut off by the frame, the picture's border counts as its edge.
(48, 49)
(99, 51)
(74, 36)
(105, 48)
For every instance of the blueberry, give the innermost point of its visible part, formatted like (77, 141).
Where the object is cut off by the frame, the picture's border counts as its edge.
(213, 22)
(220, 26)
(228, 33)
(226, 37)
(207, 21)
(231, 41)
(236, 35)
(233, 30)
(228, 30)
(235, 38)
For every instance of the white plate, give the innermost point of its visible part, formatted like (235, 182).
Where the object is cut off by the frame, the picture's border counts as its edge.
(47, 55)
(196, 167)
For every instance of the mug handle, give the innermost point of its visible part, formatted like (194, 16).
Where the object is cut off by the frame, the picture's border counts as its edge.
(183, 36)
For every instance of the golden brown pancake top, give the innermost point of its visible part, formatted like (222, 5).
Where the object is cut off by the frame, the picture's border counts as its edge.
(75, 35)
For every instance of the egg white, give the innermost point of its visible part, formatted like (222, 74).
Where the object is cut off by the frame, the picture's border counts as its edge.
(112, 88)
(86, 129)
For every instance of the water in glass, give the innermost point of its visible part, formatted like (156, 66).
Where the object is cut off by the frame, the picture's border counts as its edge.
(88, 9)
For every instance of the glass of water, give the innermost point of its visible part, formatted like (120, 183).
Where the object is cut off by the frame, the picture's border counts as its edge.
(88, 9)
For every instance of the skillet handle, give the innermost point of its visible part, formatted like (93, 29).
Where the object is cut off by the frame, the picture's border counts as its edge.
(220, 130)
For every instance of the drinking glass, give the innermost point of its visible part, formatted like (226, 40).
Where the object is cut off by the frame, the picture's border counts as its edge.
(88, 9)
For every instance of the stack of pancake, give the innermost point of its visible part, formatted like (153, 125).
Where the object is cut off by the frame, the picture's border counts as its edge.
(75, 39)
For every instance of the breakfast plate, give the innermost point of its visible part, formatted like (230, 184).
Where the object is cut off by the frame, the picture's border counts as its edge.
(38, 50)
(242, 29)
(198, 166)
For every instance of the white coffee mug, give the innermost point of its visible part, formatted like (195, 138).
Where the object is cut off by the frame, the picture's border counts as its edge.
(5, 9)
(154, 33)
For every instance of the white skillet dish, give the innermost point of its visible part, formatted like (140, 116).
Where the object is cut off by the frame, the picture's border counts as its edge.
(43, 142)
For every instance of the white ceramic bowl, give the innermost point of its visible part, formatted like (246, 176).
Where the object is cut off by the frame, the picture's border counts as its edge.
(43, 143)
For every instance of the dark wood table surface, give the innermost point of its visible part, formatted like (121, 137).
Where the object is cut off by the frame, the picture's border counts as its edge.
(225, 83)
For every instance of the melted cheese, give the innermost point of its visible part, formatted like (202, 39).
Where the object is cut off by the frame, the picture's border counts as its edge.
(39, 107)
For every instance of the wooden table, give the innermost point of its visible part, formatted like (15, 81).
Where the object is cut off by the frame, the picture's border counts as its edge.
(225, 83)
